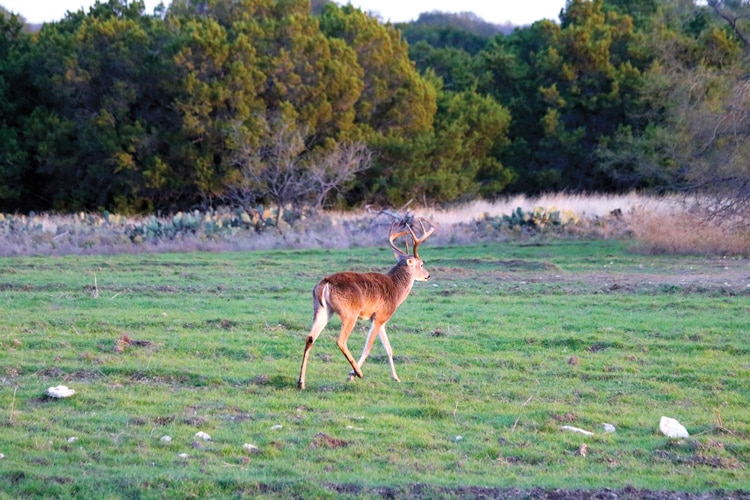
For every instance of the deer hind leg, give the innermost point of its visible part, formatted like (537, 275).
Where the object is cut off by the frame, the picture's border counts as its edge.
(322, 315)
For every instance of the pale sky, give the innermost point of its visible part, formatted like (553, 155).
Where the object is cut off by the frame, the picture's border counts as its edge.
(519, 12)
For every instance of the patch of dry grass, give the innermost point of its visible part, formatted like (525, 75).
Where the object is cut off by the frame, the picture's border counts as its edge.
(656, 224)
(683, 233)
(587, 207)
(659, 225)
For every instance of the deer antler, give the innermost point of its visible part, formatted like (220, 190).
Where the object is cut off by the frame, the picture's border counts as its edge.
(415, 241)
(392, 237)
(425, 234)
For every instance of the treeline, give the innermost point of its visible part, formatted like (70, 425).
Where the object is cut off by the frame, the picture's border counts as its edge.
(211, 102)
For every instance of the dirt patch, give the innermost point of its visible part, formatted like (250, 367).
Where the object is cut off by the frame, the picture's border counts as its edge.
(325, 441)
(512, 264)
(730, 277)
(480, 492)
(715, 462)
(122, 343)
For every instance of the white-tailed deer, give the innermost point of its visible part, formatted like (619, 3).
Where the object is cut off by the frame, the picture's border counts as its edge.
(372, 296)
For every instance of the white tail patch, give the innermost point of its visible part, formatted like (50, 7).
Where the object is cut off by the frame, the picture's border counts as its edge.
(325, 296)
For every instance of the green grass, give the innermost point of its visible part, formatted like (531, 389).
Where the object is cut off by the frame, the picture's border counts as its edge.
(484, 351)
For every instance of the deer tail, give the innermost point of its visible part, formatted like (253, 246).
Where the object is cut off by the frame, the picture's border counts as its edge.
(321, 295)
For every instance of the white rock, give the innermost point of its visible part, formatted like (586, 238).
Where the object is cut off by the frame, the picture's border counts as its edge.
(72, 439)
(609, 428)
(277, 427)
(202, 435)
(576, 429)
(672, 428)
(2, 456)
(251, 448)
(458, 438)
(60, 391)
(166, 439)
(183, 455)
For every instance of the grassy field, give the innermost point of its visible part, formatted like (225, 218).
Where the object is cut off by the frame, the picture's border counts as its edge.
(504, 346)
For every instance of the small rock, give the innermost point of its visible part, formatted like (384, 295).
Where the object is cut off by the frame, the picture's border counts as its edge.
(72, 439)
(573, 360)
(609, 428)
(581, 452)
(250, 448)
(277, 427)
(458, 438)
(183, 455)
(166, 439)
(2, 456)
(202, 435)
(672, 428)
(60, 391)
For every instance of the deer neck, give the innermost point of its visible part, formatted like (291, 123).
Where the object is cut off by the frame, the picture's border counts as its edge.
(402, 278)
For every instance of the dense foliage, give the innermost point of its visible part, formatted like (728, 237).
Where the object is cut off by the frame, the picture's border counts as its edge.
(217, 102)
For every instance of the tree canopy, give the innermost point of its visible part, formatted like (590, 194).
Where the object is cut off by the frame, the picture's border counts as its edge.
(119, 109)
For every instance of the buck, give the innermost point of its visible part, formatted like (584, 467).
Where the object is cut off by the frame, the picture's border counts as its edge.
(372, 296)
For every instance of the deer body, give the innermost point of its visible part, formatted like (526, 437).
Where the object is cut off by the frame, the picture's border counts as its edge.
(367, 296)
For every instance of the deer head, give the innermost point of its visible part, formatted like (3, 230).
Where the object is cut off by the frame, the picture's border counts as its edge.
(412, 261)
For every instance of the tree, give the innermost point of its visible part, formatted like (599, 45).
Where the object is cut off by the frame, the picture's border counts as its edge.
(736, 14)
(90, 133)
(396, 106)
(16, 96)
(251, 63)
(568, 87)
(395, 99)
(283, 171)
(440, 30)
(697, 140)
(218, 84)
(331, 169)
(455, 67)
(453, 161)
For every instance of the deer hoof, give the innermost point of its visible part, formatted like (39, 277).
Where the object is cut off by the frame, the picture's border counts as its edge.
(301, 384)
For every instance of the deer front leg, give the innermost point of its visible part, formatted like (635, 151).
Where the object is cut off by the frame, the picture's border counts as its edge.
(375, 328)
(365, 350)
(389, 351)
